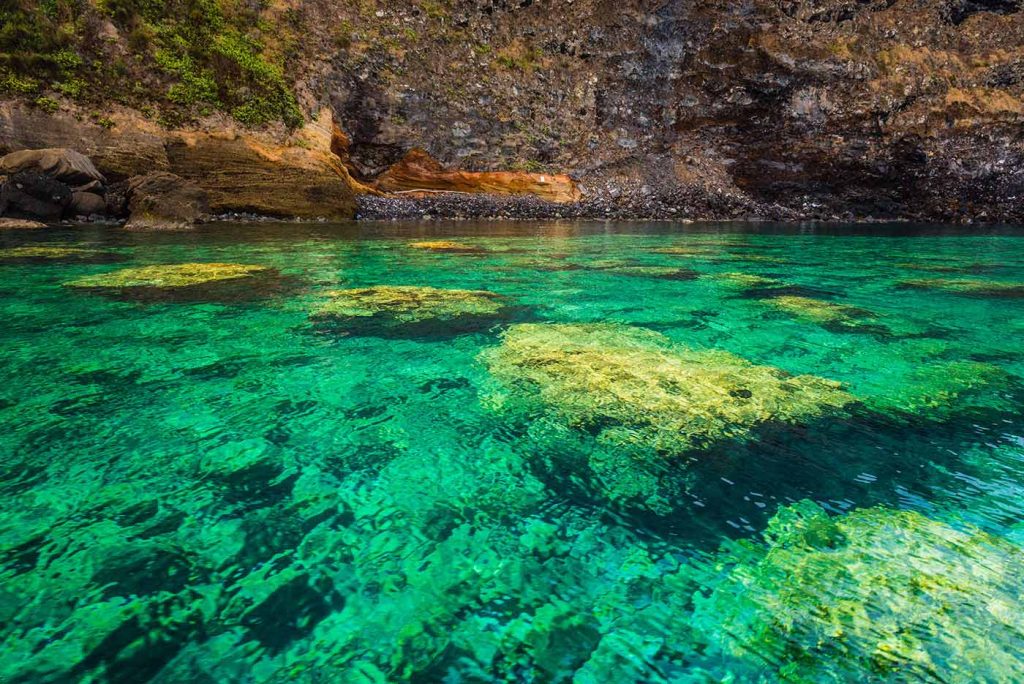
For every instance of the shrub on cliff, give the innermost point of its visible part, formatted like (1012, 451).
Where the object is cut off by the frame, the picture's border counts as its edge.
(190, 56)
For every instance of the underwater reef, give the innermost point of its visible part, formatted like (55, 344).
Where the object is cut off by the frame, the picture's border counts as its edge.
(636, 389)
(873, 593)
(409, 309)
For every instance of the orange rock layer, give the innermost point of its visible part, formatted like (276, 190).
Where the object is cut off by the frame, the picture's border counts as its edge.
(418, 172)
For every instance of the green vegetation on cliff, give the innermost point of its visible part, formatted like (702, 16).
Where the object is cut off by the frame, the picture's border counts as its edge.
(176, 60)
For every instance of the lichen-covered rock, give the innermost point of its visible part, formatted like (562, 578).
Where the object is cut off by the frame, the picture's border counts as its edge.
(174, 275)
(880, 592)
(968, 287)
(164, 201)
(398, 308)
(633, 387)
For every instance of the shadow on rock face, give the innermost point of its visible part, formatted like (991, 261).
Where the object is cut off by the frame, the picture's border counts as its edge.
(222, 283)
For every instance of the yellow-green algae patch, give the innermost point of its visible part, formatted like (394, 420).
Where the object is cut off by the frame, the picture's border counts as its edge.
(406, 305)
(993, 288)
(44, 253)
(169, 276)
(873, 594)
(634, 388)
(746, 280)
(446, 246)
(820, 311)
(939, 391)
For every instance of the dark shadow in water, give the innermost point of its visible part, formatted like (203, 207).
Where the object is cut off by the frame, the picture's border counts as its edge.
(387, 327)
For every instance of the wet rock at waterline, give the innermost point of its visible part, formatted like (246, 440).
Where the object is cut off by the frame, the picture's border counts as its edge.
(409, 310)
(30, 194)
(20, 224)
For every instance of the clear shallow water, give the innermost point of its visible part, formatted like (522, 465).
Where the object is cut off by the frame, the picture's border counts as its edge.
(223, 491)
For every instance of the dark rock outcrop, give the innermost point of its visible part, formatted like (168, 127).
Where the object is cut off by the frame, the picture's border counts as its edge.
(29, 194)
(164, 201)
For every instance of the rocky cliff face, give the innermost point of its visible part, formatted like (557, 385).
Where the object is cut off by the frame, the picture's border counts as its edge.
(772, 108)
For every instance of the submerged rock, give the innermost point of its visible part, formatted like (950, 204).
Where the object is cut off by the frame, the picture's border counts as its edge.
(977, 288)
(43, 254)
(879, 591)
(661, 272)
(200, 280)
(447, 246)
(33, 194)
(633, 388)
(940, 391)
(747, 280)
(821, 312)
(164, 201)
(398, 308)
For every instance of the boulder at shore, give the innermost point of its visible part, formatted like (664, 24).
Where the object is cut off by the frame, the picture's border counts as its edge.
(30, 194)
(59, 163)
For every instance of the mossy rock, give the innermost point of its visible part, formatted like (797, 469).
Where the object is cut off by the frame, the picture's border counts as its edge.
(448, 246)
(633, 388)
(44, 254)
(970, 288)
(824, 313)
(940, 391)
(214, 281)
(875, 594)
(410, 310)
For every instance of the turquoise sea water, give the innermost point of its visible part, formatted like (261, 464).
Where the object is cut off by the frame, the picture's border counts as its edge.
(215, 488)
